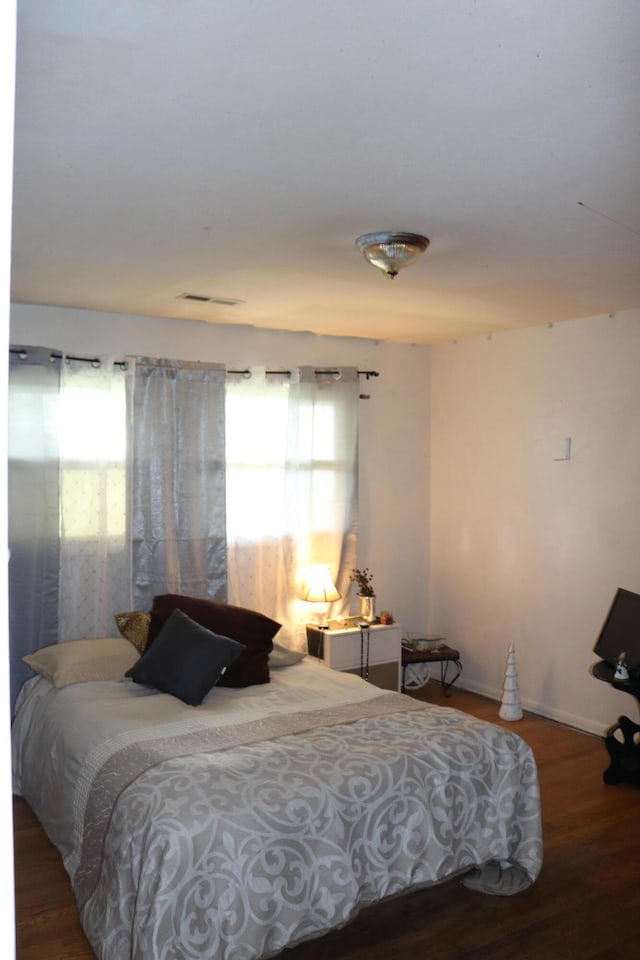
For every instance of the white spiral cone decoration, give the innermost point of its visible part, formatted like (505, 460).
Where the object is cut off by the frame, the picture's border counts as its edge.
(510, 708)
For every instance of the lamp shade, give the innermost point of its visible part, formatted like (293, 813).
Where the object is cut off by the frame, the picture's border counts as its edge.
(318, 585)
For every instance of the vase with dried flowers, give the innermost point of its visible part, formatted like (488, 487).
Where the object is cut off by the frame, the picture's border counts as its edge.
(366, 595)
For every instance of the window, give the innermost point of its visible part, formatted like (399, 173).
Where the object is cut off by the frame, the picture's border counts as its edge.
(92, 438)
(256, 457)
(291, 460)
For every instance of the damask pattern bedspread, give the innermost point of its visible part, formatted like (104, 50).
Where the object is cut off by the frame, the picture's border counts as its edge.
(233, 842)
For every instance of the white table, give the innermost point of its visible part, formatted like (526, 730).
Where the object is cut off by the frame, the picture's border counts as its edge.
(373, 652)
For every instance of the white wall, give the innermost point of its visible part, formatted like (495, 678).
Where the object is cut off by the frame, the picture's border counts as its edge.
(394, 442)
(525, 547)
(7, 80)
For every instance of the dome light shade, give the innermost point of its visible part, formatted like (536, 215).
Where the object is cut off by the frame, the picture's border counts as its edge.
(390, 252)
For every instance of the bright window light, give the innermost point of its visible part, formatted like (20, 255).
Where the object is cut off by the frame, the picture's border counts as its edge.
(93, 425)
(92, 437)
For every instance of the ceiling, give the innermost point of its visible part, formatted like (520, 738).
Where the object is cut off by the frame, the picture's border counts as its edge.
(237, 148)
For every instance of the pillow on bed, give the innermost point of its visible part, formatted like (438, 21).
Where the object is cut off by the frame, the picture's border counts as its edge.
(134, 626)
(81, 661)
(185, 659)
(248, 627)
(283, 657)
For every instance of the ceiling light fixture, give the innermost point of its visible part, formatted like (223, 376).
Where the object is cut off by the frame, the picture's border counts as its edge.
(391, 252)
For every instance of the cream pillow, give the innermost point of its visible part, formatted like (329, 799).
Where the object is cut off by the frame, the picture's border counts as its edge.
(81, 661)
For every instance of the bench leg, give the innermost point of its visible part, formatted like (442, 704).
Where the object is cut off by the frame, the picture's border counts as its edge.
(444, 669)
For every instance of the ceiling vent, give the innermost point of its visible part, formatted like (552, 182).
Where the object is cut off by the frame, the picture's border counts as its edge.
(219, 301)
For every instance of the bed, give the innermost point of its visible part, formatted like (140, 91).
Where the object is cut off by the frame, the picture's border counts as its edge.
(269, 814)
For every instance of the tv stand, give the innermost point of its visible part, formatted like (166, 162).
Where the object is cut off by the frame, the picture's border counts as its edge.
(624, 754)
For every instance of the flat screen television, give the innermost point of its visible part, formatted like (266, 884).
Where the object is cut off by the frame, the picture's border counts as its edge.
(621, 630)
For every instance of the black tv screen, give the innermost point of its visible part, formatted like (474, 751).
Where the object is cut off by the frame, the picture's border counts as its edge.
(621, 630)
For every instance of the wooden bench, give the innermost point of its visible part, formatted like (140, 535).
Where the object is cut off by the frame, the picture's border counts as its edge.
(442, 654)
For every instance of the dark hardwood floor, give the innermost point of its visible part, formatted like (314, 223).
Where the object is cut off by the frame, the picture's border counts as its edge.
(584, 906)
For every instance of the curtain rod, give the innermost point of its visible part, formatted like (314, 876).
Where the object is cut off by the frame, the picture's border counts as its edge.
(287, 373)
(95, 362)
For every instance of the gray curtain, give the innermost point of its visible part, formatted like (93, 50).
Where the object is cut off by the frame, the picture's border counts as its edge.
(178, 529)
(33, 490)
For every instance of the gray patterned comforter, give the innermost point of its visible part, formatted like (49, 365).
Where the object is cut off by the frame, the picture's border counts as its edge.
(231, 843)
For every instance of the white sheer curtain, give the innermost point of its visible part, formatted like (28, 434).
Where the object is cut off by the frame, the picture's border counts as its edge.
(292, 444)
(95, 555)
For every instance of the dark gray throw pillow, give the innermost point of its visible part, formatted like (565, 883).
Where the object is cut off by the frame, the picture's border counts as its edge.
(185, 660)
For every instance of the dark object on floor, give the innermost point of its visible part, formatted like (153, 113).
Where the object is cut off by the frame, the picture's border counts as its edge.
(625, 754)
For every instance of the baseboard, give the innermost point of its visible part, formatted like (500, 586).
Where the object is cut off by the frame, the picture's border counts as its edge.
(584, 724)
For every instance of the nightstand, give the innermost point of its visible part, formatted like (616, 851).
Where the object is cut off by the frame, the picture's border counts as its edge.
(346, 650)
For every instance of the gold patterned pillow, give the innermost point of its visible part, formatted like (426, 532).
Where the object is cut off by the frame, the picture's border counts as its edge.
(134, 626)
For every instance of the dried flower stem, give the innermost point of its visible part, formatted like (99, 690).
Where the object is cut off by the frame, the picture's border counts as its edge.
(363, 578)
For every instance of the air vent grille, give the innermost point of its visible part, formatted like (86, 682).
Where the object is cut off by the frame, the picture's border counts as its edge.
(219, 301)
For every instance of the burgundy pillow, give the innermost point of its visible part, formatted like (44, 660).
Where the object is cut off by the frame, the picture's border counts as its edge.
(252, 629)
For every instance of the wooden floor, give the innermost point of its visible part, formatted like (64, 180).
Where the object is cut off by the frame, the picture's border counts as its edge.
(584, 906)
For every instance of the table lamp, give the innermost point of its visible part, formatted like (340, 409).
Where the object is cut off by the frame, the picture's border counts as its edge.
(318, 587)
